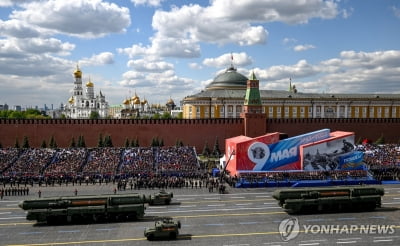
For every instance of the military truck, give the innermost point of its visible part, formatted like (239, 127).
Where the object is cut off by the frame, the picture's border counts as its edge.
(321, 199)
(166, 228)
(161, 198)
(85, 208)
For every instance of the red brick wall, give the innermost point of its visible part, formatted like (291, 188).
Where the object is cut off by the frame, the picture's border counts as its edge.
(363, 128)
(191, 132)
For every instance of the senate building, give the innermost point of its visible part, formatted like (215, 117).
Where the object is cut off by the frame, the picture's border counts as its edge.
(224, 98)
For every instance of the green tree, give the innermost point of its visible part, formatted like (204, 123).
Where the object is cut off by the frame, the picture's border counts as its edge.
(380, 140)
(16, 115)
(108, 141)
(100, 144)
(206, 150)
(179, 143)
(94, 115)
(52, 143)
(81, 141)
(161, 143)
(155, 142)
(135, 142)
(43, 145)
(156, 116)
(16, 145)
(72, 144)
(216, 150)
(166, 115)
(126, 143)
(25, 142)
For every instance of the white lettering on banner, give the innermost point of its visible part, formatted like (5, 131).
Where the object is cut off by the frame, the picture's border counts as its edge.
(283, 154)
(352, 158)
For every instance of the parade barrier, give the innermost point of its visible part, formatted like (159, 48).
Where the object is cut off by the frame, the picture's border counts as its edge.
(309, 183)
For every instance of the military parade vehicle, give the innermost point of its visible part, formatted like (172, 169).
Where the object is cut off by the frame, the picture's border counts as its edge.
(91, 208)
(167, 228)
(161, 198)
(345, 198)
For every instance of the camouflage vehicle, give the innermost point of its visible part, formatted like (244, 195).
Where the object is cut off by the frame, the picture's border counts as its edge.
(165, 228)
(321, 199)
(161, 198)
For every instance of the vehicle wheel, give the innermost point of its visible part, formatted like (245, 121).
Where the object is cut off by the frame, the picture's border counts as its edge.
(150, 237)
(172, 235)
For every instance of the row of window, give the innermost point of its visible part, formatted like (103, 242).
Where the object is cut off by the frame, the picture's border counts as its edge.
(233, 111)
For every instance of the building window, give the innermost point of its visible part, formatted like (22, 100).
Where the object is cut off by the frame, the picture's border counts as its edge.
(286, 112)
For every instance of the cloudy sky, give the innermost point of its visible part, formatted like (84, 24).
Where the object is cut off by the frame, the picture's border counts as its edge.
(161, 49)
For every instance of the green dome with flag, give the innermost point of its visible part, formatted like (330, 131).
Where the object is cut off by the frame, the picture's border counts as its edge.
(230, 79)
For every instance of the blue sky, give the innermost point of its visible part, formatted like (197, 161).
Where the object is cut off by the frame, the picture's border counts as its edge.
(161, 49)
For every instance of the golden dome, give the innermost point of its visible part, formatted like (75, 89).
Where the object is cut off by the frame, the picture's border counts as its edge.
(136, 101)
(170, 101)
(78, 72)
(89, 84)
(144, 102)
(126, 102)
(71, 100)
(135, 97)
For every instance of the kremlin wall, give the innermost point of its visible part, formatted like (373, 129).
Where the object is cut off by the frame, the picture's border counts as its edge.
(192, 132)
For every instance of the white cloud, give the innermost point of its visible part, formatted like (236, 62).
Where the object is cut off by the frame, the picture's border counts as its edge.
(181, 29)
(98, 59)
(83, 18)
(144, 65)
(303, 47)
(289, 40)
(351, 72)
(237, 59)
(17, 29)
(396, 11)
(154, 3)
(194, 65)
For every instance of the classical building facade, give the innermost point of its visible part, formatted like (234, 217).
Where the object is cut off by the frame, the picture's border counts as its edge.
(83, 101)
(224, 98)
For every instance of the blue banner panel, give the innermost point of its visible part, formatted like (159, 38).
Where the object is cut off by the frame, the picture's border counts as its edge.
(284, 152)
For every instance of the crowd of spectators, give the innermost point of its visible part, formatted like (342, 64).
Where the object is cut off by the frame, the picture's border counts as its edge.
(102, 161)
(91, 165)
(66, 162)
(383, 161)
(162, 167)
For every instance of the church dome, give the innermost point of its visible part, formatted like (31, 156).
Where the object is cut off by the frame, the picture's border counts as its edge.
(230, 79)
(125, 102)
(71, 100)
(136, 101)
(170, 102)
(78, 73)
(89, 84)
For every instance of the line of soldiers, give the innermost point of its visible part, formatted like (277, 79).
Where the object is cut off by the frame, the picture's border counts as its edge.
(14, 191)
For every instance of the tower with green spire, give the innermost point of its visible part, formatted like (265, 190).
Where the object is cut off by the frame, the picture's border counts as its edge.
(255, 123)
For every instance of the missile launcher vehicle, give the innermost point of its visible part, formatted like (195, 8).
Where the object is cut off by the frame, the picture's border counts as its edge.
(323, 199)
(91, 207)
(166, 228)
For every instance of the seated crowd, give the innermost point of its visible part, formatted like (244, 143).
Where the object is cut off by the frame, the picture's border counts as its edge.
(163, 166)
